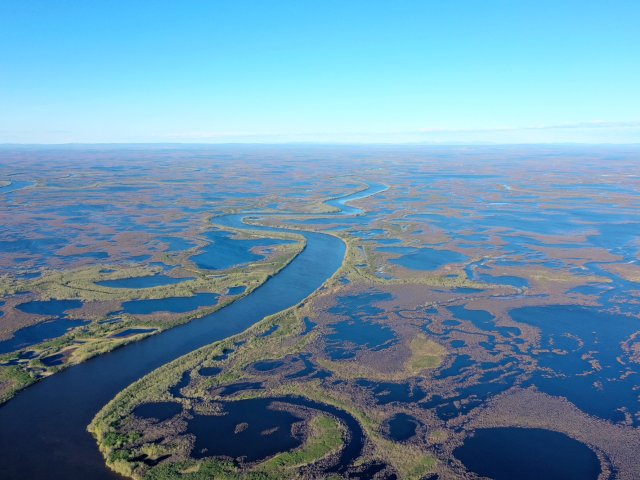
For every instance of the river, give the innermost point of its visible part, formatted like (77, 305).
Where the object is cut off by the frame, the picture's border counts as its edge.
(43, 429)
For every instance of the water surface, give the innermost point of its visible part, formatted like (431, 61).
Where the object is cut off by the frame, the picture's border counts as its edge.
(527, 454)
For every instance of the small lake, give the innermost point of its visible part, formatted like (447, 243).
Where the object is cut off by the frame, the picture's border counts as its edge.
(265, 431)
(527, 454)
(236, 290)
(34, 334)
(170, 304)
(49, 307)
(402, 427)
(226, 252)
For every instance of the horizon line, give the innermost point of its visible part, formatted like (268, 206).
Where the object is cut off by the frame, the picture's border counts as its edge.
(318, 143)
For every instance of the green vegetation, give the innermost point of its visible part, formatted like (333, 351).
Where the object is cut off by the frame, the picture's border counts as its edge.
(324, 437)
(13, 379)
(425, 354)
(96, 338)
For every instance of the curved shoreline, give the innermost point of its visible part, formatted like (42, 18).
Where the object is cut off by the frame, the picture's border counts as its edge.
(43, 431)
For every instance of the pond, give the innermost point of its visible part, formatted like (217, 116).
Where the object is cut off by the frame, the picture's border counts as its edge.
(49, 307)
(250, 430)
(170, 304)
(237, 290)
(402, 427)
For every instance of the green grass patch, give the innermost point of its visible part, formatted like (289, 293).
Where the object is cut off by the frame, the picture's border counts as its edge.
(325, 437)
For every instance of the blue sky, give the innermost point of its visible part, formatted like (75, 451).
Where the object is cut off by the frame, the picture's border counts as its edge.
(452, 71)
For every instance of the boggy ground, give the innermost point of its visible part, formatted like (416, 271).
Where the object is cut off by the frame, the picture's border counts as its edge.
(467, 296)
(482, 289)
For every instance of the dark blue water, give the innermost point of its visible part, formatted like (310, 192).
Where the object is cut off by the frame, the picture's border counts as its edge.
(236, 290)
(267, 431)
(309, 368)
(218, 435)
(482, 320)
(209, 371)
(527, 454)
(170, 304)
(49, 307)
(360, 331)
(22, 357)
(176, 389)
(402, 427)
(234, 388)
(308, 326)
(460, 363)
(142, 282)
(269, 331)
(53, 360)
(96, 255)
(601, 334)
(34, 334)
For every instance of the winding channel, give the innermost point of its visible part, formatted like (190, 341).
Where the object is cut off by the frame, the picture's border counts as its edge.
(43, 429)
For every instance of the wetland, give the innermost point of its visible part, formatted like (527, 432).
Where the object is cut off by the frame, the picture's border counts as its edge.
(409, 317)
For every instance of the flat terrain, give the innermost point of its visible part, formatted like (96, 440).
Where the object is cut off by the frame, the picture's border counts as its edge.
(486, 292)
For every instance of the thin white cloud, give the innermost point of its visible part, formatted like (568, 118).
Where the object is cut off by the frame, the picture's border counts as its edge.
(560, 126)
